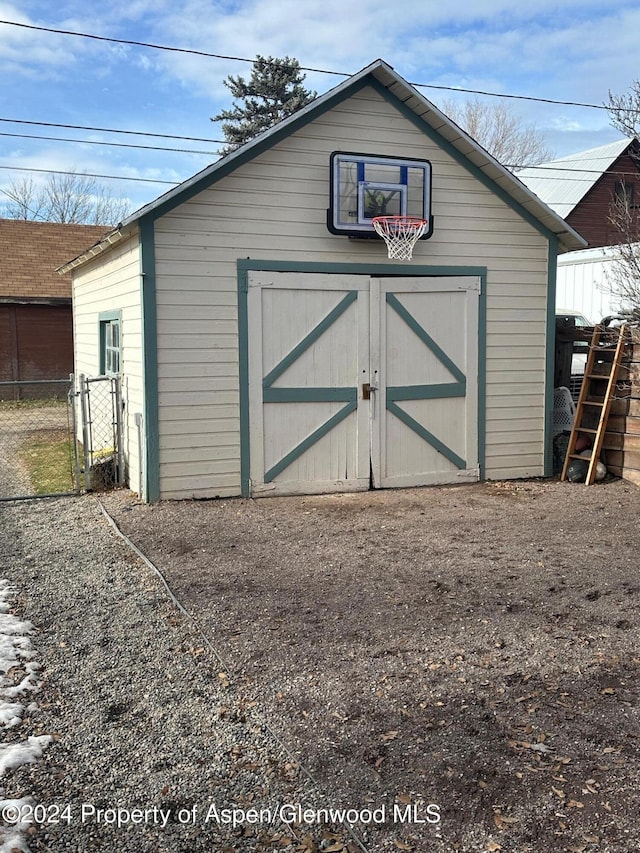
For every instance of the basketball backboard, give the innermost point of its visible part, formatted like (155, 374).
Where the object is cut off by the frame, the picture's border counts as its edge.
(365, 186)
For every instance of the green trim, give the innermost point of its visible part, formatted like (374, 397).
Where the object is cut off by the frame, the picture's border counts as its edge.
(309, 441)
(150, 355)
(425, 337)
(426, 392)
(245, 265)
(309, 395)
(427, 436)
(551, 358)
(460, 158)
(482, 376)
(227, 165)
(104, 318)
(310, 339)
(243, 372)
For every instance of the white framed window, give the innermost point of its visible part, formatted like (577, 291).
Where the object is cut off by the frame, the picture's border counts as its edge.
(110, 342)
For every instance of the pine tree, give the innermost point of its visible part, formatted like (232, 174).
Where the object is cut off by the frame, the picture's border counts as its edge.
(273, 92)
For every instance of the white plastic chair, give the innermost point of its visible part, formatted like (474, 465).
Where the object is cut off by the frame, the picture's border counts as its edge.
(564, 410)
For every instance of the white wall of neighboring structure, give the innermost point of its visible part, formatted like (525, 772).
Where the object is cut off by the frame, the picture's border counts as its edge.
(584, 283)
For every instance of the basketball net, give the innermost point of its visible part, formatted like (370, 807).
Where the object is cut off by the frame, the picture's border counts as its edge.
(400, 233)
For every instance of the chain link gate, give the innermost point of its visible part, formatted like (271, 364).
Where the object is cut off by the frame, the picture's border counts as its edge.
(60, 438)
(100, 458)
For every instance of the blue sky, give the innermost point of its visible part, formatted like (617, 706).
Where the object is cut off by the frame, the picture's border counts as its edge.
(574, 50)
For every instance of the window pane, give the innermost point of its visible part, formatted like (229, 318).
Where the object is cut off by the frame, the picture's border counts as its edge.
(110, 356)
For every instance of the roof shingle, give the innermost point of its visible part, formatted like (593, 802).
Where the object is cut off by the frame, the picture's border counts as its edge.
(30, 253)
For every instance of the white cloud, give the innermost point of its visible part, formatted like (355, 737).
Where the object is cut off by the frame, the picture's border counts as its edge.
(430, 42)
(576, 50)
(26, 51)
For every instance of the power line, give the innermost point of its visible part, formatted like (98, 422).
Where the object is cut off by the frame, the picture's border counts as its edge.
(302, 67)
(512, 166)
(542, 168)
(91, 175)
(36, 214)
(176, 183)
(156, 46)
(112, 144)
(110, 130)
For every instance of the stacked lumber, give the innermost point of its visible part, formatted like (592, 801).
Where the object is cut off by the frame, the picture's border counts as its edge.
(622, 437)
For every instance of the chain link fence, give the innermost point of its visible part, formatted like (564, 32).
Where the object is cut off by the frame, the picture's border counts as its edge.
(37, 450)
(60, 437)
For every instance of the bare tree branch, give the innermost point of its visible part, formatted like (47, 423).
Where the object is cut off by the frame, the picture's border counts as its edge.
(500, 131)
(26, 200)
(624, 111)
(623, 275)
(70, 198)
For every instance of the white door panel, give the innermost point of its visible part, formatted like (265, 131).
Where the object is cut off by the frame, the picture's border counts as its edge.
(317, 341)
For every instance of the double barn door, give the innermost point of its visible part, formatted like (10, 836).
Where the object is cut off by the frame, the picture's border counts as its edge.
(358, 382)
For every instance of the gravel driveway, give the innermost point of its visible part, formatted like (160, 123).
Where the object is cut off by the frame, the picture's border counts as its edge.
(456, 665)
(142, 713)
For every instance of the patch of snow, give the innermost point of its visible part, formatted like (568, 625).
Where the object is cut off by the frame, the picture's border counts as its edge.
(11, 838)
(16, 754)
(18, 678)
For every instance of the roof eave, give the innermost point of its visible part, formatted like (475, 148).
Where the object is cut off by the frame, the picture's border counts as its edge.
(414, 101)
(110, 239)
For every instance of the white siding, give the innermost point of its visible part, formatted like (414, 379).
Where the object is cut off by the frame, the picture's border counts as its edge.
(112, 283)
(584, 283)
(274, 208)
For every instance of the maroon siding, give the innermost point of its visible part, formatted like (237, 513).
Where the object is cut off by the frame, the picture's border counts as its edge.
(590, 216)
(36, 342)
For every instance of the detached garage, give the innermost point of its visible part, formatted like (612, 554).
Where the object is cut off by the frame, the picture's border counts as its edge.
(267, 342)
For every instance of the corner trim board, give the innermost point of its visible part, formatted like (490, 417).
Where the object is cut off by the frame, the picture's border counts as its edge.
(150, 360)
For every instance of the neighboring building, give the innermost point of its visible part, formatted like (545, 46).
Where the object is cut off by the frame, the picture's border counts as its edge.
(581, 188)
(584, 283)
(268, 346)
(36, 335)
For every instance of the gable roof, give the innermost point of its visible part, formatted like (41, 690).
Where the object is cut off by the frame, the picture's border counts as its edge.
(417, 108)
(563, 183)
(30, 253)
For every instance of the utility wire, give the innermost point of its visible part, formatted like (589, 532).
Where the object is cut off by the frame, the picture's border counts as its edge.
(112, 144)
(176, 183)
(37, 215)
(302, 67)
(207, 139)
(111, 130)
(90, 175)
(155, 46)
(513, 166)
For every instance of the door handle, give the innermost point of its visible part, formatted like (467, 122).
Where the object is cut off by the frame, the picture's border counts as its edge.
(367, 390)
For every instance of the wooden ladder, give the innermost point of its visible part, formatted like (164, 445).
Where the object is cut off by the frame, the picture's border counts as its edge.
(596, 396)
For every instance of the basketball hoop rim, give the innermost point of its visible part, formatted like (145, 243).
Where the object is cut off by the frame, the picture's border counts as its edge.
(409, 221)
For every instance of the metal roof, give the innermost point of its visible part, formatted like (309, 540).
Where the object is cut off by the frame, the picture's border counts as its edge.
(563, 183)
(459, 143)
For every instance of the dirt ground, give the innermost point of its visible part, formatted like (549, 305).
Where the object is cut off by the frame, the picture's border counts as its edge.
(472, 648)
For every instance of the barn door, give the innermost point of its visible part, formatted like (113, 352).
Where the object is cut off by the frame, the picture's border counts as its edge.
(308, 358)
(357, 382)
(424, 334)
